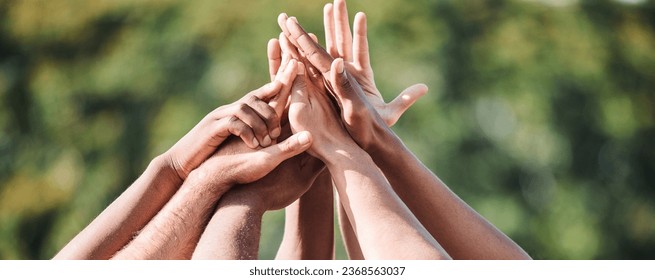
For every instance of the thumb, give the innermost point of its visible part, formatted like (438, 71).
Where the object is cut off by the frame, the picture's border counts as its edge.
(267, 91)
(405, 100)
(294, 145)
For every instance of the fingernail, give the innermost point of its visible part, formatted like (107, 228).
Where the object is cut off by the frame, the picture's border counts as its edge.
(339, 66)
(255, 142)
(276, 132)
(303, 138)
(294, 19)
(266, 141)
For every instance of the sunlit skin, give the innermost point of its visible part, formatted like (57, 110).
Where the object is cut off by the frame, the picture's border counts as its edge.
(205, 197)
(368, 199)
(308, 221)
(168, 177)
(458, 228)
(233, 232)
(318, 228)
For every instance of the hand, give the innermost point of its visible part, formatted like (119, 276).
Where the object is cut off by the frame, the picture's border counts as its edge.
(285, 184)
(311, 109)
(235, 164)
(255, 118)
(354, 51)
(363, 114)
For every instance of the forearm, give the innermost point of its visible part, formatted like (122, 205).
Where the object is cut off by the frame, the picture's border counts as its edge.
(384, 226)
(179, 223)
(128, 214)
(458, 228)
(234, 230)
(348, 234)
(308, 226)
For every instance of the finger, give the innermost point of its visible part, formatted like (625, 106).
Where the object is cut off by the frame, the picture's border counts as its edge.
(405, 100)
(250, 117)
(275, 154)
(299, 89)
(268, 115)
(360, 42)
(267, 91)
(233, 125)
(274, 53)
(328, 25)
(344, 39)
(314, 53)
(314, 75)
(288, 48)
(282, 21)
(285, 62)
(339, 81)
(279, 102)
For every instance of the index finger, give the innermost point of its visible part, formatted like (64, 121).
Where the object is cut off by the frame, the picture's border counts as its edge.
(274, 54)
(316, 54)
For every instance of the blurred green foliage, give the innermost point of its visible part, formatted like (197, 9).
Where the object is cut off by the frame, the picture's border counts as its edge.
(541, 114)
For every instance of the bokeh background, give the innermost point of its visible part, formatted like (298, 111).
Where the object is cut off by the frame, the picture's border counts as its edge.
(541, 114)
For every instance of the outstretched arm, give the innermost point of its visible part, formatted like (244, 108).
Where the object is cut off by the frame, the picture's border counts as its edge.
(378, 216)
(462, 231)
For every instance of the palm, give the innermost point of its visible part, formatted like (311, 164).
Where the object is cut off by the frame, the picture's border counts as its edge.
(354, 51)
(364, 77)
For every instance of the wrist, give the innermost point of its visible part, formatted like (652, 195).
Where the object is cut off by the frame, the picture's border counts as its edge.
(162, 167)
(207, 182)
(384, 143)
(344, 156)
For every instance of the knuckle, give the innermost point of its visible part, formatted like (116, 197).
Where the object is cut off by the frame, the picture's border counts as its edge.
(243, 107)
(252, 99)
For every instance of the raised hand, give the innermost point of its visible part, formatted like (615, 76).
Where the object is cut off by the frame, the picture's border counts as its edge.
(362, 118)
(367, 197)
(354, 50)
(310, 106)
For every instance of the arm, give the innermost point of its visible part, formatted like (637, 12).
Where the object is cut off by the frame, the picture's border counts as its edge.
(462, 231)
(129, 213)
(348, 234)
(250, 118)
(385, 227)
(179, 224)
(234, 230)
(135, 207)
(308, 228)
(308, 224)
(242, 207)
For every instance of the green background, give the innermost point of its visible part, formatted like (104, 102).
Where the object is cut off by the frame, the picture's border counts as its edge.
(540, 114)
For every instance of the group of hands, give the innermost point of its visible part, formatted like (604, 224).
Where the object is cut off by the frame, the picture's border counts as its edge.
(319, 125)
